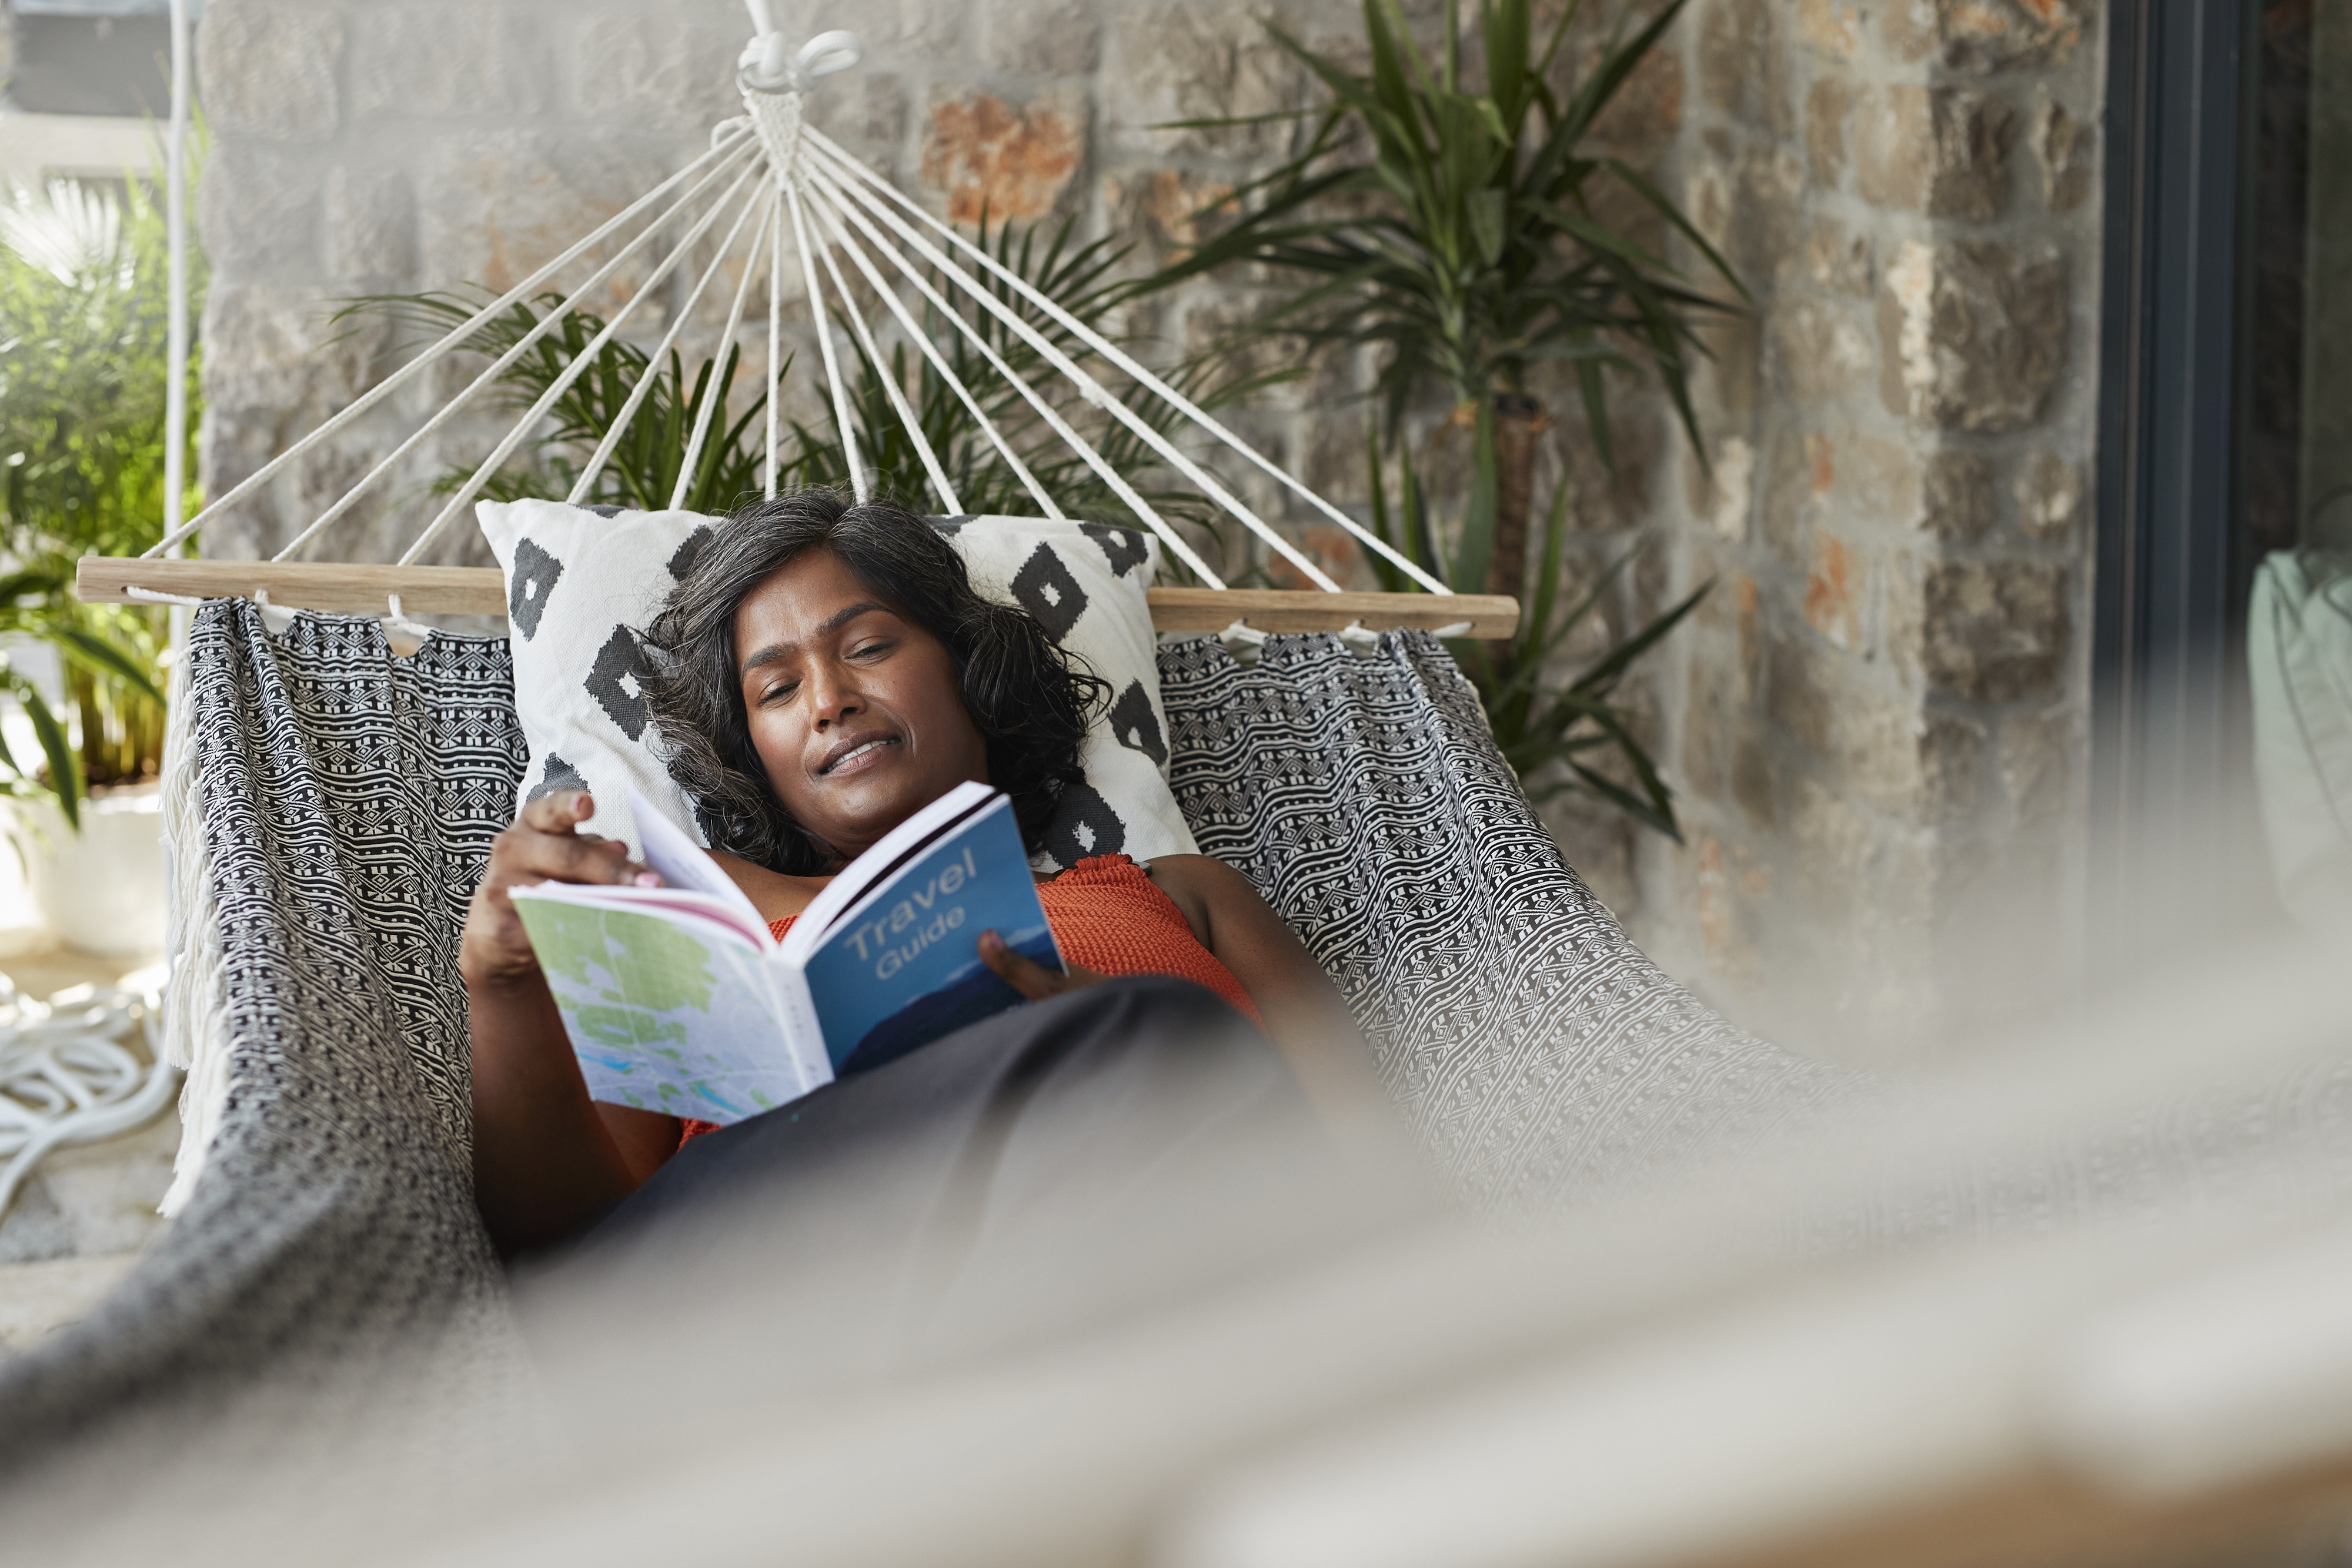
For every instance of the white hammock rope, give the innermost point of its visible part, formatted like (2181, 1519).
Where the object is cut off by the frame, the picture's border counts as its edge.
(1092, 390)
(1078, 443)
(775, 348)
(1130, 366)
(717, 392)
(771, 171)
(463, 500)
(833, 377)
(930, 351)
(891, 390)
(449, 410)
(737, 130)
(584, 485)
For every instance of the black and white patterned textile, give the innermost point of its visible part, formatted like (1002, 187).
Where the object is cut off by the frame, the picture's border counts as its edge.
(349, 800)
(1541, 1054)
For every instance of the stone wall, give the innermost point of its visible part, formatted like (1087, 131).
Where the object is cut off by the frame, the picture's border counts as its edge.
(1883, 713)
(1876, 724)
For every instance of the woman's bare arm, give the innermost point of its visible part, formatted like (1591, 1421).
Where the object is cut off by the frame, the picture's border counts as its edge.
(1304, 1015)
(547, 1159)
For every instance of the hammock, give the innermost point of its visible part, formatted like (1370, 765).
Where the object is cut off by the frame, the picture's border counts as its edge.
(333, 804)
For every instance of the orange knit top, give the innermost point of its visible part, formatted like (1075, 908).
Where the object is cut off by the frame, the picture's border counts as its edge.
(1108, 916)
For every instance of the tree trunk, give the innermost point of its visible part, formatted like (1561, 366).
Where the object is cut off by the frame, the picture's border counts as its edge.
(1518, 419)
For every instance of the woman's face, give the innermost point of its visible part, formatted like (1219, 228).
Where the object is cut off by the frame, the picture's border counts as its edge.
(855, 711)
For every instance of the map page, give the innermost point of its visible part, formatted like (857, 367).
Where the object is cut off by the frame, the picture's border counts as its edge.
(671, 1010)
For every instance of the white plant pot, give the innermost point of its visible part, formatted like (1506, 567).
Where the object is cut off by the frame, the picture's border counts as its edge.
(101, 890)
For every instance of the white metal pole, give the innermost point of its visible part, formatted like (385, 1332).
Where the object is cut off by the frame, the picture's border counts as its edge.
(175, 391)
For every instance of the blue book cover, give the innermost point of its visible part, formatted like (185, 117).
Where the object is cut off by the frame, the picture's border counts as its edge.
(901, 967)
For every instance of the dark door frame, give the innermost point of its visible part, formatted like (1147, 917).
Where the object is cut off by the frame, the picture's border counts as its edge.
(2166, 716)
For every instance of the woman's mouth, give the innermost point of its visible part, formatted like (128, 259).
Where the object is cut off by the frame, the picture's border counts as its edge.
(858, 757)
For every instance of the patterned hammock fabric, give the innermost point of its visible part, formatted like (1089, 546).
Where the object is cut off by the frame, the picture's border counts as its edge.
(1541, 1055)
(349, 799)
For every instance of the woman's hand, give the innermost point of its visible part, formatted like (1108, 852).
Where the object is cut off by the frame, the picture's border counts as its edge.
(544, 845)
(1027, 975)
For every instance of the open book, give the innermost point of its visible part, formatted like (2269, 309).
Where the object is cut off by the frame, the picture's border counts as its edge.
(677, 999)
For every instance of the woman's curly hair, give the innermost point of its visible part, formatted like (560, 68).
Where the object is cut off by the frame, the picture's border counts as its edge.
(1029, 702)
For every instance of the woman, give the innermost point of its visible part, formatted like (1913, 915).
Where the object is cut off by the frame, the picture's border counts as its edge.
(822, 672)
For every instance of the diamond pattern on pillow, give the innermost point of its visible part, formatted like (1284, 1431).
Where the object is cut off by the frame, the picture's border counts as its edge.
(1045, 589)
(1134, 726)
(1125, 548)
(531, 582)
(614, 681)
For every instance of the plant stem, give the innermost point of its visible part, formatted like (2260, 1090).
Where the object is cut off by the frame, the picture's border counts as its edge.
(1518, 419)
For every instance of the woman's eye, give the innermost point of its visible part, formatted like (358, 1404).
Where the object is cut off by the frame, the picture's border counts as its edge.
(870, 650)
(779, 692)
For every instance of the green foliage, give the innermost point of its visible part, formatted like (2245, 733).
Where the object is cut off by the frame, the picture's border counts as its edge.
(1454, 229)
(83, 316)
(643, 469)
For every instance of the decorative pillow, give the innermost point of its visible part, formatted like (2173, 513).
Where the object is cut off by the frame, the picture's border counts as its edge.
(581, 581)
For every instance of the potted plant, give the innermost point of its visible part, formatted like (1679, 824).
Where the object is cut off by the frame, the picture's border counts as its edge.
(82, 375)
(1450, 219)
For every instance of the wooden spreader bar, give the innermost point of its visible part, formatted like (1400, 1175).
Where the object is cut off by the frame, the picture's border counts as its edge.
(339, 589)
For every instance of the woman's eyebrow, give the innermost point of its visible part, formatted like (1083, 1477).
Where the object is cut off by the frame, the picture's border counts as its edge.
(832, 623)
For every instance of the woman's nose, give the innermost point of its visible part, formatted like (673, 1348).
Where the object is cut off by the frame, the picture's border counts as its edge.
(834, 698)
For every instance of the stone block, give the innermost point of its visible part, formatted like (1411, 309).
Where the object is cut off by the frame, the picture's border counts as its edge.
(1974, 333)
(1994, 632)
(2066, 149)
(674, 72)
(1797, 700)
(2049, 497)
(1830, 28)
(1742, 67)
(1730, 488)
(257, 211)
(439, 61)
(1048, 37)
(1836, 258)
(1825, 349)
(1167, 209)
(1943, 152)
(1730, 884)
(269, 73)
(989, 156)
(1785, 517)
(1956, 500)
(1952, 769)
(1836, 585)
(2037, 753)
(370, 221)
(1828, 104)
(1873, 483)
(1198, 60)
(1647, 107)
(1985, 36)
(1768, 209)
(496, 204)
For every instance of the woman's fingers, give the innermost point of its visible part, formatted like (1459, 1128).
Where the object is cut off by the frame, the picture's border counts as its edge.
(557, 811)
(1025, 975)
(544, 846)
